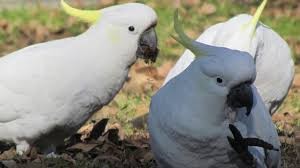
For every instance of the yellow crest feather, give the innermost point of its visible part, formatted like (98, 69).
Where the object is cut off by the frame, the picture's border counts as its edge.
(255, 19)
(90, 16)
(182, 38)
(258, 13)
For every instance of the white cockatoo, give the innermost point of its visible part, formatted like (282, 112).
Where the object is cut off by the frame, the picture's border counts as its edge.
(198, 118)
(49, 90)
(272, 55)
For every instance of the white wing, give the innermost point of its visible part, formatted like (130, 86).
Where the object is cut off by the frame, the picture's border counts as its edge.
(274, 66)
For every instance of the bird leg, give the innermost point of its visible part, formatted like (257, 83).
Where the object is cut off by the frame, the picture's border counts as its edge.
(240, 145)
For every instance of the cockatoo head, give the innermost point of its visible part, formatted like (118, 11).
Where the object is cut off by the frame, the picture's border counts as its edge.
(221, 72)
(129, 27)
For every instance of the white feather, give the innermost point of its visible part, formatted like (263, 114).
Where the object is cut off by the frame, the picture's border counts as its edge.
(188, 120)
(49, 90)
(274, 63)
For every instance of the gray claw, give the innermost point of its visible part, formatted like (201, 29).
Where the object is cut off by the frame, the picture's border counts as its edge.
(240, 145)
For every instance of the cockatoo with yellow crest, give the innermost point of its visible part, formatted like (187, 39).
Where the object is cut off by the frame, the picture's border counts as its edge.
(211, 114)
(272, 55)
(49, 90)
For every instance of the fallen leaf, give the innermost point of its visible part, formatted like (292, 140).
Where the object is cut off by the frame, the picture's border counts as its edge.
(98, 129)
(121, 133)
(113, 136)
(74, 139)
(8, 155)
(148, 156)
(84, 147)
(33, 153)
(68, 158)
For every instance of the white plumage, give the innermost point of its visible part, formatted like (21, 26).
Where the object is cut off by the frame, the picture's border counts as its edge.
(272, 55)
(49, 90)
(190, 115)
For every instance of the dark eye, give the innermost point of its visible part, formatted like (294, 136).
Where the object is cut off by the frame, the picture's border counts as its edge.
(219, 80)
(131, 28)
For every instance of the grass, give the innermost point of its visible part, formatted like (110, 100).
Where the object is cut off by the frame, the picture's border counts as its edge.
(54, 20)
(16, 21)
(128, 110)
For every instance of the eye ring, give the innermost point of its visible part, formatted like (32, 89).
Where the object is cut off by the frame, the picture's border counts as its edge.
(131, 28)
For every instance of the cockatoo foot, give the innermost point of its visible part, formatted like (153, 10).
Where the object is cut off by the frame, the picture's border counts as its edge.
(22, 147)
(240, 145)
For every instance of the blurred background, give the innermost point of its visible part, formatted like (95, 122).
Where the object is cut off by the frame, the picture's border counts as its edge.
(25, 22)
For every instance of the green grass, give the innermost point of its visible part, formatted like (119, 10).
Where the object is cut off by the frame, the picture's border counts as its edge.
(54, 20)
(285, 26)
(128, 105)
(20, 19)
(296, 103)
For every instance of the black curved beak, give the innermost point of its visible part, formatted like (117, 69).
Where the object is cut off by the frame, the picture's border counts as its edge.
(147, 47)
(241, 96)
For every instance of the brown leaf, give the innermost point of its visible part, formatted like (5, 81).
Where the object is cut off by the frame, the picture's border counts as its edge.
(33, 153)
(86, 129)
(121, 133)
(113, 136)
(84, 147)
(72, 140)
(68, 158)
(105, 147)
(8, 155)
(148, 156)
(98, 129)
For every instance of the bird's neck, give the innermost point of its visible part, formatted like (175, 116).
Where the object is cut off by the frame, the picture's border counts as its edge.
(197, 111)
